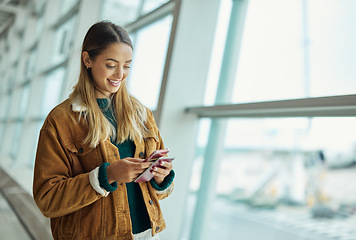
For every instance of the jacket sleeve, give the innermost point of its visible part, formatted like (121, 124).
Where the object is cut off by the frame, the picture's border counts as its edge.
(56, 192)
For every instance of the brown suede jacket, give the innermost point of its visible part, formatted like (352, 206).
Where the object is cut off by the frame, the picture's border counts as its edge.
(62, 189)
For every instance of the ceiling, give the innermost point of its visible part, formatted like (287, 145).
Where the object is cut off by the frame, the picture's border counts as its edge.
(8, 11)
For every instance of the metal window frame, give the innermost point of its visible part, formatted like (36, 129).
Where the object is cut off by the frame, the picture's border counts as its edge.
(171, 7)
(151, 17)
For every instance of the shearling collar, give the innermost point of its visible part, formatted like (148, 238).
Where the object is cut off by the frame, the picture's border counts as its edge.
(78, 105)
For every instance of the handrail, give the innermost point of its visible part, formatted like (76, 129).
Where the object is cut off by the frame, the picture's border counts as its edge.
(334, 106)
(23, 205)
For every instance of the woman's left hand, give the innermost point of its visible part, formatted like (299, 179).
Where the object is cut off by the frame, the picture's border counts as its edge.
(161, 171)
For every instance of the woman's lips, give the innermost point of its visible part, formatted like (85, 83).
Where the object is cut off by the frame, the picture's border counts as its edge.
(115, 83)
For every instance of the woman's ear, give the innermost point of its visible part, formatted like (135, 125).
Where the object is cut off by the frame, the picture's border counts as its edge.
(86, 59)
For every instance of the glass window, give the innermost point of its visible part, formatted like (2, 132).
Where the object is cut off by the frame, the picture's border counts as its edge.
(286, 178)
(24, 100)
(39, 25)
(150, 50)
(15, 146)
(67, 5)
(150, 5)
(8, 137)
(4, 109)
(63, 39)
(26, 157)
(4, 106)
(120, 11)
(2, 127)
(2, 49)
(218, 51)
(31, 63)
(53, 90)
(14, 104)
(291, 49)
(12, 78)
(332, 47)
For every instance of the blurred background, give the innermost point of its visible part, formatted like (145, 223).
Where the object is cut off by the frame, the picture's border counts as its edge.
(256, 100)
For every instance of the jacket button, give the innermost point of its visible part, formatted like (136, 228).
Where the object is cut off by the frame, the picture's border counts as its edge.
(157, 228)
(141, 154)
(81, 150)
(151, 202)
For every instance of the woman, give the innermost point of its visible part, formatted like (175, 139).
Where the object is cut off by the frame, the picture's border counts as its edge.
(91, 148)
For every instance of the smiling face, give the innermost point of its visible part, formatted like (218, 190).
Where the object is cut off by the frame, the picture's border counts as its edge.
(110, 68)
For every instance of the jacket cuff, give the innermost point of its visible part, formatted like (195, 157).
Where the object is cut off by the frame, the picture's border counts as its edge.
(94, 182)
(165, 185)
(103, 178)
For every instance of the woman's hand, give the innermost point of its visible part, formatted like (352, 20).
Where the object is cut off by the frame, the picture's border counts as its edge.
(162, 171)
(126, 170)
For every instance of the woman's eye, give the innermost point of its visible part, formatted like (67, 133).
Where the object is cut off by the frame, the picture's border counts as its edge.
(127, 67)
(109, 66)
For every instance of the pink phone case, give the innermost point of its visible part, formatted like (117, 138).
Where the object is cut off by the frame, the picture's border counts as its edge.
(157, 154)
(147, 175)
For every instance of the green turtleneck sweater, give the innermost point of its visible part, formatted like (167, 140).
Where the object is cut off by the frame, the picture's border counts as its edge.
(138, 212)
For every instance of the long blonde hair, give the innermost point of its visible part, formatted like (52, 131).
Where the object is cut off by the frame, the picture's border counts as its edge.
(130, 114)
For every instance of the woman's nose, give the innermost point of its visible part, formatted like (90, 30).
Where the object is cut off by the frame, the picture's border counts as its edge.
(119, 73)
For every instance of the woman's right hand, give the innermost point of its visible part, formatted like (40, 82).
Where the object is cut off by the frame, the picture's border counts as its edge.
(126, 170)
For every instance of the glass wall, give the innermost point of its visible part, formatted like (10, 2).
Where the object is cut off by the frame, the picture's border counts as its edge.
(150, 5)
(150, 50)
(32, 82)
(63, 40)
(53, 89)
(290, 178)
(120, 11)
(35, 81)
(291, 49)
(282, 177)
(150, 40)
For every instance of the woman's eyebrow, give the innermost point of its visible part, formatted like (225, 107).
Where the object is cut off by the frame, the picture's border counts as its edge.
(111, 59)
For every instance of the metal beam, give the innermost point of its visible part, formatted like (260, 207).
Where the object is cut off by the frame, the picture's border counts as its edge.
(167, 64)
(214, 148)
(341, 106)
(6, 24)
(8, 9)
(151, 17)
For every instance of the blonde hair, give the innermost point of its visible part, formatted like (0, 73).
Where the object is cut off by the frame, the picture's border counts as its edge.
(130, 114)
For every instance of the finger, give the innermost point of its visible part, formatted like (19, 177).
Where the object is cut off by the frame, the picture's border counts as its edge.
(167, 165)
(160, 171)
(158, 174)
(137, 164)
(135, 160)
(143, 165)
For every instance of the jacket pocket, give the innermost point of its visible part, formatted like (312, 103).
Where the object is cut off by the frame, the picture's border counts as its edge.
(151, 144)
(84, 157)
(69, 225)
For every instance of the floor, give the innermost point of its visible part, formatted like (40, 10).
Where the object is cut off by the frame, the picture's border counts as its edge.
(10, 225)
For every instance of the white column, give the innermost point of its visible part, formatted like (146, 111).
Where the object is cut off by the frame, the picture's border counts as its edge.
(186, 82)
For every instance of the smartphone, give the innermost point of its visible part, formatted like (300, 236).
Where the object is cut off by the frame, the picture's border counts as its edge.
(157, 154)
(147, 175)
